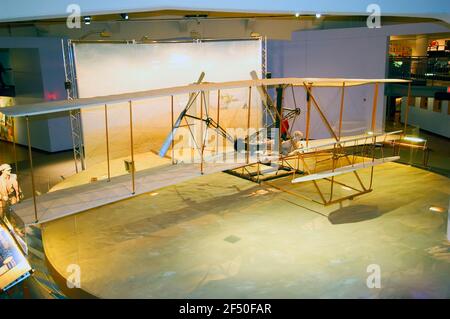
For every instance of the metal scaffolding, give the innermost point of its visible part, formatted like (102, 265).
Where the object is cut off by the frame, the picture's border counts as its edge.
(75, 115)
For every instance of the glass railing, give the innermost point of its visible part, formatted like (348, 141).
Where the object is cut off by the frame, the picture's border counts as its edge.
(420, 68)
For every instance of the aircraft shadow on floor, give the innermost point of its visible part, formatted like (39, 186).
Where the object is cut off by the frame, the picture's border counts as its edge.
(354, 214)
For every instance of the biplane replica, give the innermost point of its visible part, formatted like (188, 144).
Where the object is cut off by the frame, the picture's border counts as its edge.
(259, 154)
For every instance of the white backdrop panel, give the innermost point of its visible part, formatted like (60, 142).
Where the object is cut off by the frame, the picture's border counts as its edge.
(104, 69)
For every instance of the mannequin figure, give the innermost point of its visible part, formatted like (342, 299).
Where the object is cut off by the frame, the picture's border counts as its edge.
(292, 144)
(9, 188)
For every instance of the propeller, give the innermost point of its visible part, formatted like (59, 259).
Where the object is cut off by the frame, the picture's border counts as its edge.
(265, 97)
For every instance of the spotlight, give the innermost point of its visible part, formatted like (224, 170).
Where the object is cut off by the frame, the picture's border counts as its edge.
(124, 16)
(318, 15)
(105, 34)
(87, 20)
(414, 139)
(436, 209)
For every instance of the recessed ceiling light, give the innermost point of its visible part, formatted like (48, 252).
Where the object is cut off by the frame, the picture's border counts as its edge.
(87, 20)
(124, 16)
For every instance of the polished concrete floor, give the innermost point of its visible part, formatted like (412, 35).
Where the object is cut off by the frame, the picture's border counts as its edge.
(439, 156)
(220, 236)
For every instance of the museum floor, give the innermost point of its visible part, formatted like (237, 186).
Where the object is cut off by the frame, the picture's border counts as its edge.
(219, 241)
(220, 236)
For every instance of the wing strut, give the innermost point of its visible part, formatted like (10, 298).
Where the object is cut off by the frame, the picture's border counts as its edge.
(168, 141)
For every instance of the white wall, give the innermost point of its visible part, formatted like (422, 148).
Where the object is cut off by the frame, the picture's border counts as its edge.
(345, 53)
(104, 69)
(351, 53)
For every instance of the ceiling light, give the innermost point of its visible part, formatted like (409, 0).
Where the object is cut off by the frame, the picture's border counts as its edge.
(87, 20)
(297, 14)
(190, 16)
(318, 15)
(124, 16)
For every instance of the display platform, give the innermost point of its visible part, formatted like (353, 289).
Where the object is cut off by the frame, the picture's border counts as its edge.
(90, 188)
(220, 236)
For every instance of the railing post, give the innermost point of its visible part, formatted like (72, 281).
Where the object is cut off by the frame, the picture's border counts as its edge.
(308, 114)
(408, 102)
(107, 143)
(247, 160)
(172, 142)
(218, 122)
(132, 149)
(374, 109)
(341, 111)
(33, 186)
(201, 132)
(14, 146)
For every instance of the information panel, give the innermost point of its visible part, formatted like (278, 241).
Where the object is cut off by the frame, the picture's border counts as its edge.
(14, 267)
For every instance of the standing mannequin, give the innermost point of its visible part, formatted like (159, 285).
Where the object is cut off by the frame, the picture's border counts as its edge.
(9, 188)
